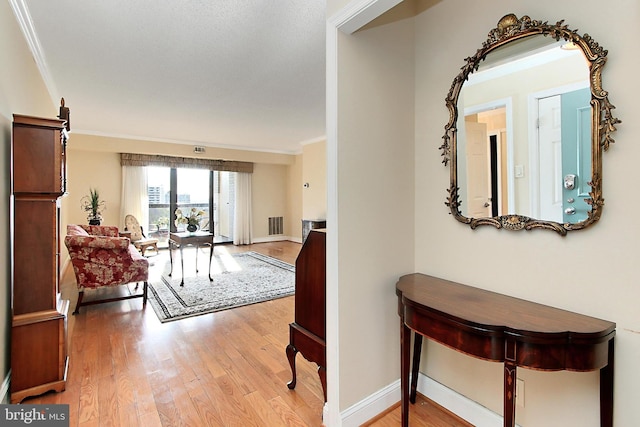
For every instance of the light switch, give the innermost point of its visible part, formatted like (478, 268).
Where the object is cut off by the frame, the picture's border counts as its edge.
(519, 169)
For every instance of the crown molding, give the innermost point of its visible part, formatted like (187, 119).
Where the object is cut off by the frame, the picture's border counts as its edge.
(21, 12)
(357, 14)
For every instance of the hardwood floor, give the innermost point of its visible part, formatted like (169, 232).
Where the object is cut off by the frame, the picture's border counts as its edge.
(223, 369)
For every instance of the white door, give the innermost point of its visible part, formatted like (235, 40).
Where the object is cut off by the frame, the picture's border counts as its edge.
(478, 171)
(550, 149)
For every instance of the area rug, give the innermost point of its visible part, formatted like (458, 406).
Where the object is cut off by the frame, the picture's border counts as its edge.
(238, 279)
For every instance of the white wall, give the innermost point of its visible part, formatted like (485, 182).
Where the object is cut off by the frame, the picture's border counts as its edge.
(591, 272)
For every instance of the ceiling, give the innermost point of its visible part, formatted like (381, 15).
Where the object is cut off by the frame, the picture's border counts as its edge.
(244, 74)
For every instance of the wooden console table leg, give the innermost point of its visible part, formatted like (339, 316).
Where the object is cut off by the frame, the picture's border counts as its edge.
(405, 358)
(509, 394)
(606, 389)
(417, 349)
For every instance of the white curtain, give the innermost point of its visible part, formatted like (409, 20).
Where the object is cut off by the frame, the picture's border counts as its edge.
(242, 229)
(135, 197)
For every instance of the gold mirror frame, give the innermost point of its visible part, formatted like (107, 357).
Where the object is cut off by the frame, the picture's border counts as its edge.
(509, 29)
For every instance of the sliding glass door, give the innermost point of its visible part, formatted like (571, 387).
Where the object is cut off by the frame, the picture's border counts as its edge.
(187, 188)
(194, 192)
(158, 189)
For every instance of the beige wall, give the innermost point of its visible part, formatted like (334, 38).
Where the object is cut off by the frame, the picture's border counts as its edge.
(314, 173)
(591, 272)
(269, 185)
(94, 162)
(294, 200)
(91, 169)
(374, 205)
(22, 91)
(124, 145)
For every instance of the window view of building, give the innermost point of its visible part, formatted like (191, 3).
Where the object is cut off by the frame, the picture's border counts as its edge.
(205, 190)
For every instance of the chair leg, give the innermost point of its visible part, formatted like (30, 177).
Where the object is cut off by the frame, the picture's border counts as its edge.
(79, 303)
(144, 295)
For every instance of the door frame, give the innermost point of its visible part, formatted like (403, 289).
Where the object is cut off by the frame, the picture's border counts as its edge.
(507, 103)
(534, 146)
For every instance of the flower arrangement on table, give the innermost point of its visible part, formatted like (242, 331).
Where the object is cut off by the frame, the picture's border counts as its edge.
(192, 219)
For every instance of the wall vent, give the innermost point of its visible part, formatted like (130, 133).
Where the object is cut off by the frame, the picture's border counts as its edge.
(275, 225)
(198, 149)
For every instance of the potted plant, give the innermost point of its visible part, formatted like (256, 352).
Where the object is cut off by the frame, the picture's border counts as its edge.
(162, 223)
(94, 207)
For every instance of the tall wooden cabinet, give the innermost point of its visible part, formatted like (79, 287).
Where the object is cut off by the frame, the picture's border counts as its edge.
(39, 325)
(307, 334)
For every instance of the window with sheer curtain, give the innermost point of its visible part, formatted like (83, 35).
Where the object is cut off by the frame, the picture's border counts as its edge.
(135, 197)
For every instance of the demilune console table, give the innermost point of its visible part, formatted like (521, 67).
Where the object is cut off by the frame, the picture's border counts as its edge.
(499, 328)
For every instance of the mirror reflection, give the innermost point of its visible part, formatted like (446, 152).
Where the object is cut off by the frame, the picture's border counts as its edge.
(528, 122)
(524, 133)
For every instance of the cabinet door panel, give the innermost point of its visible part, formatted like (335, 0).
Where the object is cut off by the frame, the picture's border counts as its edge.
(37, 160)
(35, 284)
(310, 301)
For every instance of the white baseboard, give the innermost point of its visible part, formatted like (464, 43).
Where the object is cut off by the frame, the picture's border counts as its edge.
(372, 406)
(4, 391)
(453, 401)
(278, 238)
(465, 408)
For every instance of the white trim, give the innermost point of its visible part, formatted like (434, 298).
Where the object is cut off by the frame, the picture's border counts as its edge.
(331, 411)
(465, 408)
(357, 14)
(278, 238)
(297, 150)
(371, 406)
(23, 17)
(314, 140)
(382, 400)
(4, 390)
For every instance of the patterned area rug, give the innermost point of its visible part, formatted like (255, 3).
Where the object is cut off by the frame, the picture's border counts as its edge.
(238, 279)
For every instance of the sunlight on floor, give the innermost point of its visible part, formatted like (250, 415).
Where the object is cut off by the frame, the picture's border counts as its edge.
(229, 264)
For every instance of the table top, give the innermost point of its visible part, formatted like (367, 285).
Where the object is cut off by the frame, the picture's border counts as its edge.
(187, 235)
(488, 309)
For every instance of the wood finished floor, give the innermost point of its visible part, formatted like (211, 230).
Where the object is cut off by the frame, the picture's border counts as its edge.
(222, 369)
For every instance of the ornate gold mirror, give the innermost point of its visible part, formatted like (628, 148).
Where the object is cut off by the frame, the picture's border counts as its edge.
(528, 122)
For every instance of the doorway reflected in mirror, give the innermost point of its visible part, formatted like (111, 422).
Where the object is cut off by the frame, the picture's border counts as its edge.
(528, 123)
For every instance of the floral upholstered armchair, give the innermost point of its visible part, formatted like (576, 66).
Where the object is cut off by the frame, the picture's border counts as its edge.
(101, 258)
